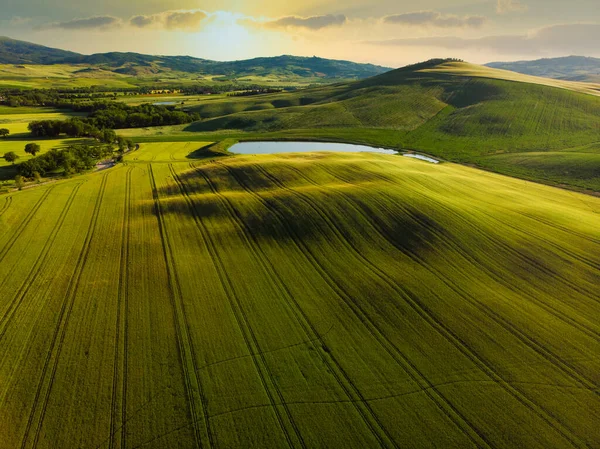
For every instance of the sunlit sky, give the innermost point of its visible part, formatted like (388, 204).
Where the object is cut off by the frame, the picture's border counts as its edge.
(387, 32)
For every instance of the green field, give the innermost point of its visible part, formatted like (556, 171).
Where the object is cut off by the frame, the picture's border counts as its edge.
(184, 299)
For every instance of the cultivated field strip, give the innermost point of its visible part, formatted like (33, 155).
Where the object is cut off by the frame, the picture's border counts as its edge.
(47, 377)
(286, 422)
(311, 334)
(417, 377)
(424, 313)
(576, 375)
(37, 265)
(315, 300)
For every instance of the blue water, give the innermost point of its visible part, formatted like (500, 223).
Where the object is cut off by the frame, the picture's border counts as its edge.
(301, 147)
(164, 103)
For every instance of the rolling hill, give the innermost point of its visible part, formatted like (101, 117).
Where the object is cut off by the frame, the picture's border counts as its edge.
(573, 68)
(453, 110)
(318, 300)
(19, 52)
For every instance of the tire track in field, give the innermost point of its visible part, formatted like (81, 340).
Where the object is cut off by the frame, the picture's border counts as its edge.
(426, 314)
(60, 331)
(121, 337)
(7, 203)
(37, 266)
(524, 257)
(498, 242)
(487, 368)
(548, 272)
(394, 396)
(482, 266)
(333, 366)
(559, 227)
(320, 338)
(441, 402)
(530, 342)
(343, 401)
(586, 329)
(23, 225)
(184, 343)
(584, 260)
(536, 219)
(248, 334)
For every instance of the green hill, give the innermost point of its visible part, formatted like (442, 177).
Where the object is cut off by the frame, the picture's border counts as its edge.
(19, 52)
(575, 68)
(315, 300)
(452, 110)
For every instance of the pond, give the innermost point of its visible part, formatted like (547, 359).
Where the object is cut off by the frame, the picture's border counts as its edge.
(302, 147)
(164, 103)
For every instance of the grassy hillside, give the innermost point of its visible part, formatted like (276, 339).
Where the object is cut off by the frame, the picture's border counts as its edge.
(20, 52)
(313, 300)
(455, 111)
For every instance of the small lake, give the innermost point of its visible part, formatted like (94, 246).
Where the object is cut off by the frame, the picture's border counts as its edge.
(302, 147)
(164, 103)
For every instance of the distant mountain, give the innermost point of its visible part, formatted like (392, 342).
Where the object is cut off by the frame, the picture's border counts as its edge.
(572, 68)
(19, 52)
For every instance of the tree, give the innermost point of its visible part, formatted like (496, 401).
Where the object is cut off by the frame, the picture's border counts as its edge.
(108, 136)
(32, 148)
(4, 132)
(19, 182)
(11, 156)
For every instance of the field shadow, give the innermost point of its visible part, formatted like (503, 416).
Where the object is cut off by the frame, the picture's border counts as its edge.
(208, 152)
(8, 172)
(279, 214)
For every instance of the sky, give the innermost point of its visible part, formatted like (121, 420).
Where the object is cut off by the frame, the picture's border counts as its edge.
(392, 33)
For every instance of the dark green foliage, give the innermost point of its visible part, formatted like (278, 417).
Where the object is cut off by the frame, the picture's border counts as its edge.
(11, 156)
(19, 182)
(32, 148)
(4, 132)
(73, 159)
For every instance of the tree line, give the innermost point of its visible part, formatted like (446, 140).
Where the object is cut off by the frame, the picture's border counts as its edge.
(70, 160)
(110, 116)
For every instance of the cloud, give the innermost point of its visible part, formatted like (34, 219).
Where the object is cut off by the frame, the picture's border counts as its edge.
(96, 22)
(310, 23)
(142, 21)
(508, 6)
(184, 20)
(552, 40)
(435, 19)
(170, 20)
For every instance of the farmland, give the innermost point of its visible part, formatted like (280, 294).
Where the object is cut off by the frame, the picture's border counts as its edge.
(184, 299)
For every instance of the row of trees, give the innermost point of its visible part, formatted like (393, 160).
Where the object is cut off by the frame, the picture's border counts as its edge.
(73, 128)
(119, 115)
(109, 116)
(69, 160)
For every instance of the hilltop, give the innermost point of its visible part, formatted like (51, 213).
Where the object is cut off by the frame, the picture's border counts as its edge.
(572, 68)
(20, 52)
